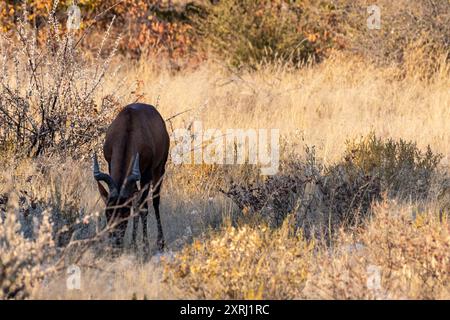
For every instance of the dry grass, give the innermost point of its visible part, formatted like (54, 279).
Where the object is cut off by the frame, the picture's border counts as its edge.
(408, 250)
(411, 255)
(406, 245)
(215, 251)
(324, 105)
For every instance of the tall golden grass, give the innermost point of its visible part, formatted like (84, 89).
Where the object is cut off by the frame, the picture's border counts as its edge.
(322, 105)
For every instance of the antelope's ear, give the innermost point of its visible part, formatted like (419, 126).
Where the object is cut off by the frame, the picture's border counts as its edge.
(103, 192)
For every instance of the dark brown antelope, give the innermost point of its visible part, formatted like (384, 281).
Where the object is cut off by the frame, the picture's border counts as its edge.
(136, 149)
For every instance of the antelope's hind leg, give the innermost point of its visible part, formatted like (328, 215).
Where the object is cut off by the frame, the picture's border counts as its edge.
(156, 188)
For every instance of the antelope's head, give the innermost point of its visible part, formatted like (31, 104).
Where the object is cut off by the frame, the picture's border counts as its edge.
(118, 199)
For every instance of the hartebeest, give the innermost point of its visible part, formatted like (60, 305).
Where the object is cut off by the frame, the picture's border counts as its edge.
(136, 149)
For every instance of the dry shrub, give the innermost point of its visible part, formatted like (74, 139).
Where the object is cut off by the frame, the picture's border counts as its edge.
(55, 187)
(404, 170)
(320, 198)
(241, 263)
(23, 262)
(159, 28)
(26, 261)
(247, 33)
(48, 92)
(323, 198)
(48, 220)
(403, 253)
(417, 27)
(443, 196)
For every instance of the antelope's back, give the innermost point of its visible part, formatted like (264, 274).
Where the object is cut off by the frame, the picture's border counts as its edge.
(138, 128)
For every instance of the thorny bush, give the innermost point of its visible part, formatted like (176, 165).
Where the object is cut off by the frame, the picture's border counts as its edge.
(48, 92)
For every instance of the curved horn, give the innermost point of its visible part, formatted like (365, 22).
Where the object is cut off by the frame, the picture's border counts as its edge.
(100, 176)
(135, 171)
(134, 176)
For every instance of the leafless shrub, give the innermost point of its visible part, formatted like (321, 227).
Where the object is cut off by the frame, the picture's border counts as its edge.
(48, 92)
(22, 261)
